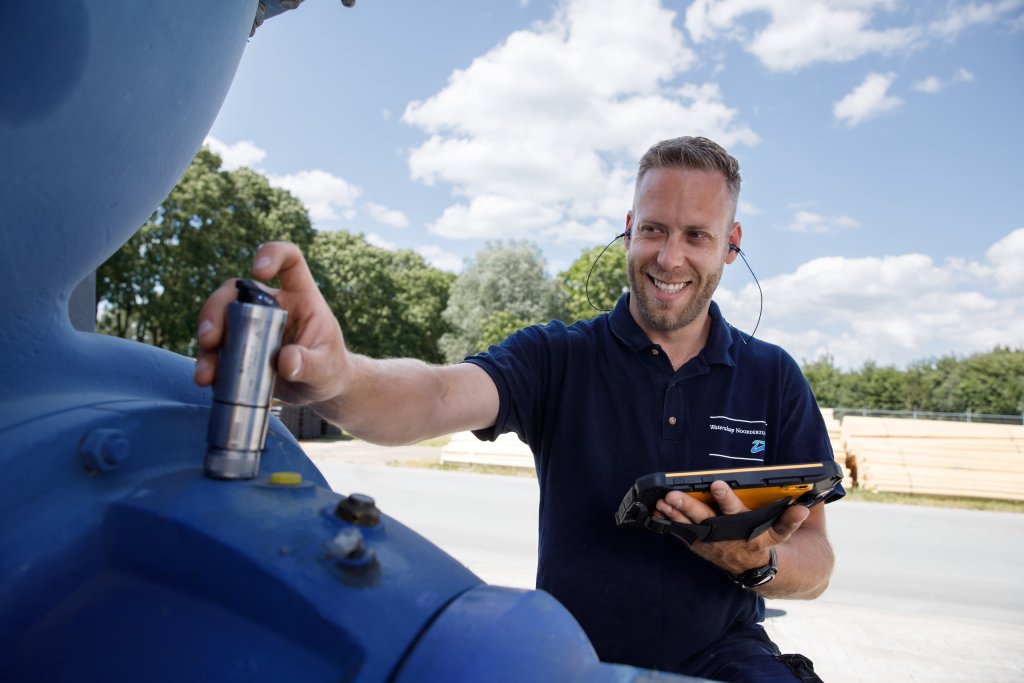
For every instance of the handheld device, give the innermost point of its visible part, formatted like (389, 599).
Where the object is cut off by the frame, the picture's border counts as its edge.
(767, 491)
(244, 384)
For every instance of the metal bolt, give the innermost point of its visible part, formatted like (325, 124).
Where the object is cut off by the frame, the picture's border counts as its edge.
(348, 543)
(358, 509)
(348, 3)
(348, 551)
(103, 450)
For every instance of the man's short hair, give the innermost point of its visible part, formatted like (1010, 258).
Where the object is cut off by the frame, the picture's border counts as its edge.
(695, 153)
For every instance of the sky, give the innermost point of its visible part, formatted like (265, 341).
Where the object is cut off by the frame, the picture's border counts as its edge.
(880, 145)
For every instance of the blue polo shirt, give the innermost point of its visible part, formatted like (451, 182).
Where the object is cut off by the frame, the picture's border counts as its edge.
(600, 405)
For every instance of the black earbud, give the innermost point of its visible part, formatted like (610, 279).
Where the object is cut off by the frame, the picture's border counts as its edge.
(627, 233)
(733, 247)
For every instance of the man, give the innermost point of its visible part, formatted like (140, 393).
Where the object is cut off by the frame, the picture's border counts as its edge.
(660, 383)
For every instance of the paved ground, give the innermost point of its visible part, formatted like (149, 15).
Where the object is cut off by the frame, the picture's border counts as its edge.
(919, 594)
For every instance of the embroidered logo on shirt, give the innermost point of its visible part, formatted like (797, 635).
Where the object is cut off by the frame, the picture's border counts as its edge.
(740, 446)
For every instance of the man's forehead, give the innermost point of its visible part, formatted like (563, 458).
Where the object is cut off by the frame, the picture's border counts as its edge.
(673, 189)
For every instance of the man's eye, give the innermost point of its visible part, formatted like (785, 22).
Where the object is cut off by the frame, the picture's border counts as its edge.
(697, 235)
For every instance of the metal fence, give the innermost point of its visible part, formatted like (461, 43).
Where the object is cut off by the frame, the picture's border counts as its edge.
(840, 413)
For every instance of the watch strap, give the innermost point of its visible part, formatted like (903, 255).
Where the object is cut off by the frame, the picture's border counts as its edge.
(752, 578)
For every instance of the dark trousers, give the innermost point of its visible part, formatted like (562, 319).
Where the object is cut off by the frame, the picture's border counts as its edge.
(749, 656)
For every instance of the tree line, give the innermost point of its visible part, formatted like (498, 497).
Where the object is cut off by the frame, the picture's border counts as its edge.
(395, 304)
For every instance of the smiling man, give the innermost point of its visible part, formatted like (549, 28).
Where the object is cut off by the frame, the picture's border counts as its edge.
(660, 383)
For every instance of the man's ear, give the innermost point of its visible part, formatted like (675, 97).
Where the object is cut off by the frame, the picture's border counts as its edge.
(627, 234)
(735, 237)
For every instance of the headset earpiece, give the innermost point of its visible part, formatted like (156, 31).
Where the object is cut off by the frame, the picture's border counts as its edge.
(733, 247)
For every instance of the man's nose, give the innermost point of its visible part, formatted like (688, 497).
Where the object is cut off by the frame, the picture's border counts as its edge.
(672, 254)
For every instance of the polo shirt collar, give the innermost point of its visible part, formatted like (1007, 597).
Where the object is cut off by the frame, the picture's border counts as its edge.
(719, 347)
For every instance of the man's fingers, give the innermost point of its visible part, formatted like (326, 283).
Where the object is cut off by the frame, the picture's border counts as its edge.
(684, 509)
(290, 363)
(788, 522)
(726, 499)
(283, 260)
(211, 316)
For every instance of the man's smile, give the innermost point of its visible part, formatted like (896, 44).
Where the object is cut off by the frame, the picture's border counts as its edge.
(668, 287)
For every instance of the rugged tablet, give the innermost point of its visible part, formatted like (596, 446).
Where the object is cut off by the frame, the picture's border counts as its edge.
(767, 491)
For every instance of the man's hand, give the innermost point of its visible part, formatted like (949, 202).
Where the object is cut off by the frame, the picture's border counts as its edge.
(734, 557)
(312, 362)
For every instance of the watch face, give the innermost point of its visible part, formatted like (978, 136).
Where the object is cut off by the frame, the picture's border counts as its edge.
(760, 580)
(761, 575)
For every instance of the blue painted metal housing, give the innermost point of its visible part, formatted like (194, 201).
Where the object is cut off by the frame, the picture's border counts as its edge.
(120, 560)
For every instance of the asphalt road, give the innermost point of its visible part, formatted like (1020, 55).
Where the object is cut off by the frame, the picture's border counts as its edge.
(919, 593)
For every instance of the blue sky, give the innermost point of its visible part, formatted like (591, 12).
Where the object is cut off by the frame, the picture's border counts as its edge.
(880, 144)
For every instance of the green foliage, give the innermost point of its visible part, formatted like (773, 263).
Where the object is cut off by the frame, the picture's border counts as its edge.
(607, 281)
(504, 283)
(498, 325)
(389, 303)
(990, 382)
(206, 231)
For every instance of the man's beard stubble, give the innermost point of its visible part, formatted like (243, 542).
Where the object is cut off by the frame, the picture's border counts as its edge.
(665, 318)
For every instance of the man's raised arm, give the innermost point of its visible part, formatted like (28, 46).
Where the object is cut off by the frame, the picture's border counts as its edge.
(391, 402)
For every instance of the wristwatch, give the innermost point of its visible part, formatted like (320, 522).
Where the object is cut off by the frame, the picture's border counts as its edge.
(759, 576)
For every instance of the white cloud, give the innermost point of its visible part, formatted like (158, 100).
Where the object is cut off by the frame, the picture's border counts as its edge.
(934, 84)
(810, 222)
(326, 196)
(386, 216)
(799, 33)
(1007, 259)
(961, 17)
(540, 135)
(241, 153)
(893, 309)
(439, 258)
(747, 209)
(378, 241)
(867, 100)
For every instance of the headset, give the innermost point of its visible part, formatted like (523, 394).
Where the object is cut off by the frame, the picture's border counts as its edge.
(732, 247)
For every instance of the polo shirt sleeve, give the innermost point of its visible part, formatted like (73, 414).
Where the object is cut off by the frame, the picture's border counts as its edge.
(520, 368)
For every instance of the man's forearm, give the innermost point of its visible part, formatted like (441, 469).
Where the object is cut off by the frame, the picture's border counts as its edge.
(396, 402)
(805, 563)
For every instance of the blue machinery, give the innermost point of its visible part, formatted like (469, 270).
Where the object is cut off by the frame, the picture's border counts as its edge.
(119, 560)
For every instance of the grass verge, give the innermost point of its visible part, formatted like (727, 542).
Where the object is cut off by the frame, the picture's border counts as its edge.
(461, 467)
(937, 501)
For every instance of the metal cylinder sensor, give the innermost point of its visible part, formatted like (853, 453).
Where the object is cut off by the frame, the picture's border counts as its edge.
(244, 384)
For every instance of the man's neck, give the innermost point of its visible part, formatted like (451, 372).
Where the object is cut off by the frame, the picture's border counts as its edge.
(683, 344)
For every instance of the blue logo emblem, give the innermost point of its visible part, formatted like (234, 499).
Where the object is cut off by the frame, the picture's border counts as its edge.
(757, 446)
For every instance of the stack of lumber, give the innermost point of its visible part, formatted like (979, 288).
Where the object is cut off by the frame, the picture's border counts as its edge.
(937, 458)
(836, 438)
(505, 451)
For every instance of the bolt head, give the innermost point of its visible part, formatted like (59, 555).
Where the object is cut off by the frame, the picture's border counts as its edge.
(358, 509)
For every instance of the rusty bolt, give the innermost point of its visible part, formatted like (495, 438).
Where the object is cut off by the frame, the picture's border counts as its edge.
(358, 509)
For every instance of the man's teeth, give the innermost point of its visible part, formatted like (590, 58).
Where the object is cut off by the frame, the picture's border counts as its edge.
(671, 288)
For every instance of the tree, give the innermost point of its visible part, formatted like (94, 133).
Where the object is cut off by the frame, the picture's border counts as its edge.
(206, 231)
(826, 381)
(504, 284)
(389, 304)
(990, 382)
(607, 281)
